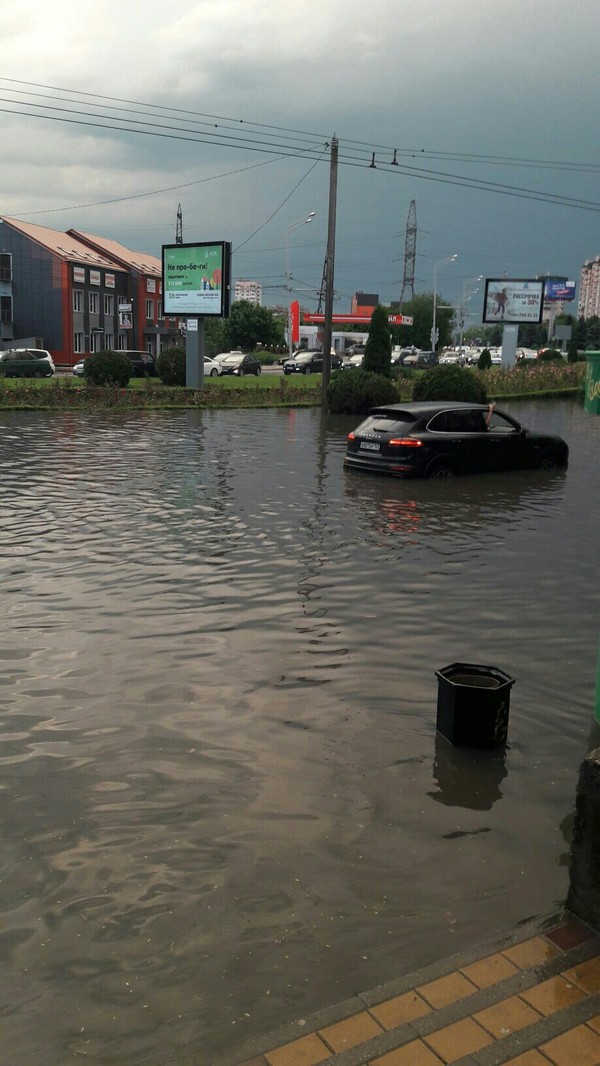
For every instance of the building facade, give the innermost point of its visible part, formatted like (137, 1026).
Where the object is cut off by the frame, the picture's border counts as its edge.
(75, 294)
(248, 290)
(589, 289)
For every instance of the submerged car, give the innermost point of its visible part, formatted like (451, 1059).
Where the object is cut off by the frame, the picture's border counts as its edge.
(239, 364)
(26, 363)
(447, 439)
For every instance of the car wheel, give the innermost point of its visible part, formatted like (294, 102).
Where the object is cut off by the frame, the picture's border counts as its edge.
(307, 370)
(214, 372)
(549, 461)
(258, 371)
(440, 471)
(240, 373)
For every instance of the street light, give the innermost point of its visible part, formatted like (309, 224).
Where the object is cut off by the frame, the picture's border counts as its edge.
(288, 273)
(468, 281)
(440, 262)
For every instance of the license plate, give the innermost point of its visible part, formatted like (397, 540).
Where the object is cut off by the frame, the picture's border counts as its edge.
(368, 446)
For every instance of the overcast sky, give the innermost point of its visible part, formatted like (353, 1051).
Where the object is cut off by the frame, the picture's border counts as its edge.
(244, 98)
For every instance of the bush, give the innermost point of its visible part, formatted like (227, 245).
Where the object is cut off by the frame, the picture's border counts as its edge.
(450, 383)
(572, 352)
(485, 360)
(353, 392)
(550, 355)
(107, 368)
(170, 365)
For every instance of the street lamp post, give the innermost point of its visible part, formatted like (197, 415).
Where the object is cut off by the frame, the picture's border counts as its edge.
(468, 281)
(288, 273)
(440, 262)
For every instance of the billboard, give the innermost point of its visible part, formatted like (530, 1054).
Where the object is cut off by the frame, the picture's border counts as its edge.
(196, 279)
(512, 301)
(559, 290)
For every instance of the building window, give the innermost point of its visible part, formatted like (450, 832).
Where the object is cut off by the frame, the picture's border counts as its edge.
(78, 345)
(109, 305)
(78, 299)
(109, 340)
(150, 310)
(96, 342)
(122, 342)
(94, 302)
(6, 312)
(159, 311)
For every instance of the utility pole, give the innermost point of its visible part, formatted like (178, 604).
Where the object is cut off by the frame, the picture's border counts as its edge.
(410, 251)
(179, 226)
(328, 325)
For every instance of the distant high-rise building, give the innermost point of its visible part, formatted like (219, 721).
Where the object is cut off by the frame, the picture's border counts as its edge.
(589, 289)
(248, 290)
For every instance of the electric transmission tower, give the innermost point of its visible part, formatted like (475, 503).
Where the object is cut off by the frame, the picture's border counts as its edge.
(179, 226)
(321, 293)
(410, 252)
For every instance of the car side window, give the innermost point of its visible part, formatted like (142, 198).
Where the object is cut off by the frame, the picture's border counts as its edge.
(500, 424)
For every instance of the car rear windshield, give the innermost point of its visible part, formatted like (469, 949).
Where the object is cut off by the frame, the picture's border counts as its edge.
(387, 422)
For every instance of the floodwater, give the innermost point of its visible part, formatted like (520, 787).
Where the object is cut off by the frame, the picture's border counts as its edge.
(223, 803)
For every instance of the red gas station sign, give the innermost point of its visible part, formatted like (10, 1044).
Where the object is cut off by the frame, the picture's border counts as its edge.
(355, 320)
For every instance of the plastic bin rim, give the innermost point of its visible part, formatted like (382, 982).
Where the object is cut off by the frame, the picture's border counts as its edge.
(474, 668)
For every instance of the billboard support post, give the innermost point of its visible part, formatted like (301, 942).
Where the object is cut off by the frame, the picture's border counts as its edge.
(194, 353)
(510, 335)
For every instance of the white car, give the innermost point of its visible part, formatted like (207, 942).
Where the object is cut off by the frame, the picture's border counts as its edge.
(452, 359)
(212, 369)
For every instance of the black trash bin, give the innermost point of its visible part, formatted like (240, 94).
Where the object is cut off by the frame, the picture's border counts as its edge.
(473, 705)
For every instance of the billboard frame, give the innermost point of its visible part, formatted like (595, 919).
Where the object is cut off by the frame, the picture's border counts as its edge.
(506, 284)
(197, 302)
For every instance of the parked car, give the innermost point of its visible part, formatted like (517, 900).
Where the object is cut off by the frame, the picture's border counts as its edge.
(353, 362)
(452, 359)
(224, 355)
(142, 363)
(444, 440)
(239, 364)
(26, 363)
(421, 360)
(212, 369)
(400, 354)
(309, 363)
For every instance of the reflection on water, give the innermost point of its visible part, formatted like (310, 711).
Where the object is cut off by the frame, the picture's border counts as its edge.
(467, 778)
(222, 801)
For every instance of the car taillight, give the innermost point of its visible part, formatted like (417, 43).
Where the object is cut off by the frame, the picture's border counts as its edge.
(351, 436)
(405, 442)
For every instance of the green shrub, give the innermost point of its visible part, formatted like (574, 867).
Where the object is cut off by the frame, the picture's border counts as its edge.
(550, 355)
(107, 368)
(572, 352)
(170, 365)
(355, 391)
(485, 360)
(450, 383)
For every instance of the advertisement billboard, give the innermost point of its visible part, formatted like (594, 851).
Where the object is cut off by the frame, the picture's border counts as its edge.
(512, 301)
(196, 279)
(559, 290)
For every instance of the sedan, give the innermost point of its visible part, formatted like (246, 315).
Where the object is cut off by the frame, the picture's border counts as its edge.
(353, 362)
(309, 363)
(238, 364)
(446, 439)
(212, 369)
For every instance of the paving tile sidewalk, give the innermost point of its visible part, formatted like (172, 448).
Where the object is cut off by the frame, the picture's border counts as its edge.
(532, 999)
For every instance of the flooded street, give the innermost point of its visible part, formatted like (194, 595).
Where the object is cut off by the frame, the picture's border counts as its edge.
(223, 803)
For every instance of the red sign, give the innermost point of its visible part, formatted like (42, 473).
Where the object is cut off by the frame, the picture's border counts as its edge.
(295, 321)
(394, 320)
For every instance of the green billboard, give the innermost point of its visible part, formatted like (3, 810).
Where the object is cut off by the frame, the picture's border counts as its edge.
(196, 279)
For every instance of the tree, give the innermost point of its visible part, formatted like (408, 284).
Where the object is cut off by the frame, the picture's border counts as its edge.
(378, 349)
(249, 326)
(485, 360)
(215, 336)
(420, 309)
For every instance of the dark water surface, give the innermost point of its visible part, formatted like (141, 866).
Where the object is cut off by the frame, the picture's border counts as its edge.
(222, 799)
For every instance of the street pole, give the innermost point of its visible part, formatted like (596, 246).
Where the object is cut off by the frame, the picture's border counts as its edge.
(330, 257)
(288, 274)
(440, 262)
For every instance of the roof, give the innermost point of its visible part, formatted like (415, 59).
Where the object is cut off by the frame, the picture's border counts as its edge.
(64, 245)
(427, 406)
(143, 262)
